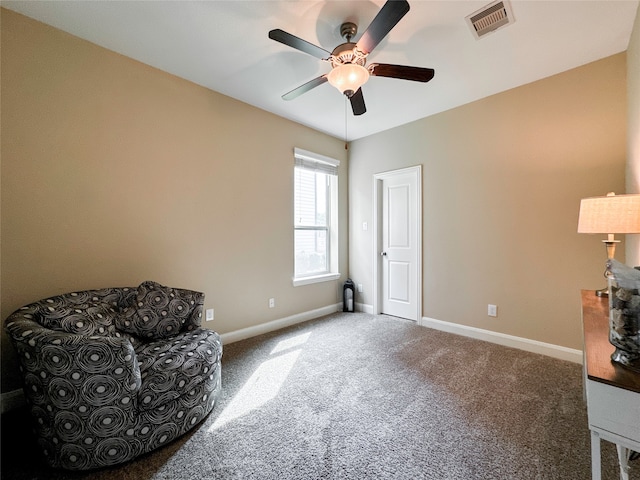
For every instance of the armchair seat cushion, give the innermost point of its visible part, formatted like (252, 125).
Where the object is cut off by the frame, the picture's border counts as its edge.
(172, 369)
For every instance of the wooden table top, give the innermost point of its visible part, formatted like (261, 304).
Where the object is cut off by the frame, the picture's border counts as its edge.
(598, 350)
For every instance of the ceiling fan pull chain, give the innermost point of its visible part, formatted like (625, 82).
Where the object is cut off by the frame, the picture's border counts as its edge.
(346, 145)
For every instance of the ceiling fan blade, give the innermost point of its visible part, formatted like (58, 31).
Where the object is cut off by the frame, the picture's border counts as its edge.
(296, 92)
(357, 102)
(299, 44)
(417, 74)
(387, 18)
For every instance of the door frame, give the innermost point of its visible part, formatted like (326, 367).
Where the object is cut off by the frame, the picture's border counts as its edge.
(378, 179)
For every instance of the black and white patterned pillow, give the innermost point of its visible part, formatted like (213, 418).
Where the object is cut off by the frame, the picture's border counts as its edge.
(158, 312)
(82, 319)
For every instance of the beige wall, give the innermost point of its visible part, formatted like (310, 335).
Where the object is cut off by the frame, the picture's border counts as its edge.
(114, 173)
(502, 183)
(633, 129)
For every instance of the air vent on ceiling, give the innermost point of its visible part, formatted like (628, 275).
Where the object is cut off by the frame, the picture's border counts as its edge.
(490, 18)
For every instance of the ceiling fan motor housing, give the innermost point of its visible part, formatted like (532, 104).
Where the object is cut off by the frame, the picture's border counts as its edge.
(347, 53)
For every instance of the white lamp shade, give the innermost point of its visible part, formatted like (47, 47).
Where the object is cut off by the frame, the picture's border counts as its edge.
(348, 77)
(610, 214)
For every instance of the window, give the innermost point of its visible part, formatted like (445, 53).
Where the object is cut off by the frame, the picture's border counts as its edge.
(315, 218)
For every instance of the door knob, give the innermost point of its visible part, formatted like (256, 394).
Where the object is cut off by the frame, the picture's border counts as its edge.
(383, 254)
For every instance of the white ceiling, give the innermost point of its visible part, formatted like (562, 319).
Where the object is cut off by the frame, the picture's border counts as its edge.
(223, 45)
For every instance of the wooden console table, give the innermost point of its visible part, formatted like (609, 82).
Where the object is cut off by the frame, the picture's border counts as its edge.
(612, 391)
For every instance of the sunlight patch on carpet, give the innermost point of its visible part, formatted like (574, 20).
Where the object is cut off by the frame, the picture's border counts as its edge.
(291, 343)
(265, 383)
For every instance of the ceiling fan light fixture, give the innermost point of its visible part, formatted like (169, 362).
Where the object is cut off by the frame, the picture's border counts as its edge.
(348, 77)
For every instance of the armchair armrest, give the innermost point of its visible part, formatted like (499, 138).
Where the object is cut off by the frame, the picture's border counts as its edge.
(74, 372)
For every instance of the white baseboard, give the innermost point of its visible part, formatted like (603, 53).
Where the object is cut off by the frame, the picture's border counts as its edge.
(12, 400)
(249, 332)
(363, 307)
(534, 346)
(549, 349)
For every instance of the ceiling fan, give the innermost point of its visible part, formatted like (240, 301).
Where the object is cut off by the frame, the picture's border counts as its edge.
(348, 60)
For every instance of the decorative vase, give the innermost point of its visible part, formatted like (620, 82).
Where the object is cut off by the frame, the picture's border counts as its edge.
(624, 325)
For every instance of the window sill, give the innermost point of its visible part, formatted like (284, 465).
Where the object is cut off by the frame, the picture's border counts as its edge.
(327, 277)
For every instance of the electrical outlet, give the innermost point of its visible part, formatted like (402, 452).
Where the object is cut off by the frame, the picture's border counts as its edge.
(209, 315)
(492, 310)
(272, 302)
(359, 288)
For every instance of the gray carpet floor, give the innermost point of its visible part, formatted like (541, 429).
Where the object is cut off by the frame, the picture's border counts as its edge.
(357, 396)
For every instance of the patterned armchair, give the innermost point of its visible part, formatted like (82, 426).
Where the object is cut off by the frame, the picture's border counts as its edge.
(114, 373)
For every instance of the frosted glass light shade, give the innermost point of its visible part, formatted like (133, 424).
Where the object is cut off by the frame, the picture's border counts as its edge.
(610, 214)
(348, 78)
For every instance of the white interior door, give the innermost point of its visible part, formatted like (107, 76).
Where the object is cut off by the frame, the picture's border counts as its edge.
(399, 245)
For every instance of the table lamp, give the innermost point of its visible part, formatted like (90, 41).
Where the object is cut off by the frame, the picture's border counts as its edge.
(609, 215)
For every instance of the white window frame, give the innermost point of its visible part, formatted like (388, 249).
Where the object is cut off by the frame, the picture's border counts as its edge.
(314, 161)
